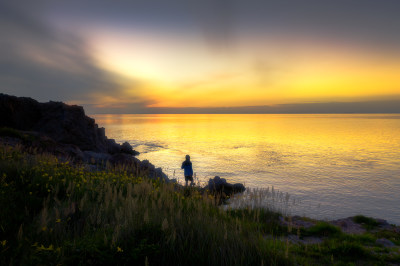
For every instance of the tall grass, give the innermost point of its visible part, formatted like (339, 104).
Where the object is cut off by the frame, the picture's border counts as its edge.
(57, 213)
(263, 198)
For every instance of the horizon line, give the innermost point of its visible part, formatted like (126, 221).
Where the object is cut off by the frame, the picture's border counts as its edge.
(365, 107)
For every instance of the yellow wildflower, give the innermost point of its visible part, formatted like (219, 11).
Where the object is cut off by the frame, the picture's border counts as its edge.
(58, 220)
(44, 228)
(119, 249)
(3, 243)
(51, 247)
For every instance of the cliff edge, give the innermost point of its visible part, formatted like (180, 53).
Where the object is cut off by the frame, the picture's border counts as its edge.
(65, 131)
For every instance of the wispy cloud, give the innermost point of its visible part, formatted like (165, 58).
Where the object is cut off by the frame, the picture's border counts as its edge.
(49, 64)
(362, 107)
(135, 56)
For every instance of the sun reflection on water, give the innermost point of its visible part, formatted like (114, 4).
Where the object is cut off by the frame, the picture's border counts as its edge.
(336, 164)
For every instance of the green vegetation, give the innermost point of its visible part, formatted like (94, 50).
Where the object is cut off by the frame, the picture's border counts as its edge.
(27, 137)
(367, 222)
(323, 229)
(10, 132)
(55, 213)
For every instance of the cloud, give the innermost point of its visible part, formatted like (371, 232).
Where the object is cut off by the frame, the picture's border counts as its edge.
(134, 106)
(49, 64)
(362, 107)
(42, 60)
(217, 19)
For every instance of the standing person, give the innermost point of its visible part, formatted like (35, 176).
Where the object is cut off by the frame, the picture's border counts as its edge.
(188, 170)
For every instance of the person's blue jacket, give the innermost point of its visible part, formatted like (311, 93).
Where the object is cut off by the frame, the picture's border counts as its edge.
(187, 167)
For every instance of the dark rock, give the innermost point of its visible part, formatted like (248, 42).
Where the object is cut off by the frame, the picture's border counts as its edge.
(151, 171)
(98, 158)
(65, 131)
(69, 124)
(216, 183)
(238, 188)
(63, 123)
(127, 148)
(305, 241)
(347, 225)
(112, 146)
(296, 222)
(383, 224)
(133, 165)
(19, 113)
(385, 242)
(68, 152)
(219, 185)
(123, 159)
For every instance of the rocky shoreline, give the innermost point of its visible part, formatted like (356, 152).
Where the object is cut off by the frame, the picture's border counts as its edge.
(355, 225)
(66, 132)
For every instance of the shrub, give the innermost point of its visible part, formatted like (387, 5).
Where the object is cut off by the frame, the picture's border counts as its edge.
(367, 222)
(323, 229)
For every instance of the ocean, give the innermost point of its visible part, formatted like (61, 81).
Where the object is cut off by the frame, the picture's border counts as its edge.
(334, 165)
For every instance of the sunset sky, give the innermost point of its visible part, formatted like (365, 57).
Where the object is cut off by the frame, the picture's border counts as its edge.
(148, 56)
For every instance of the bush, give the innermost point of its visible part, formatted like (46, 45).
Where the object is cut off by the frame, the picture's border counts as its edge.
(367, 222)
(323, 229)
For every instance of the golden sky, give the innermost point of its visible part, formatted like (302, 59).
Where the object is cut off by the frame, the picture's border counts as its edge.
(131, 56)
(188, 75)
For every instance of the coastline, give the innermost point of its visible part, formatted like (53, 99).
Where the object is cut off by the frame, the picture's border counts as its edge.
(69, 195)
(336, 166)
(68, 206)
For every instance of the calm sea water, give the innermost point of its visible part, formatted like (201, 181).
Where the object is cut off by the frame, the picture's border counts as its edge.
(335, 165)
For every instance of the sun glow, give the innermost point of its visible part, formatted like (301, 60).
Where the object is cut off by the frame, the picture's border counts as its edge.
(169, 72)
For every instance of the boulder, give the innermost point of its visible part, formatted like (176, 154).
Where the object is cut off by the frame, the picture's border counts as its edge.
(238, 188)
(123, 159)
(127, 148)
(348, 226)
(385, 242)
(133, 165)
(112, 147)
(151, 171)
(220, 185)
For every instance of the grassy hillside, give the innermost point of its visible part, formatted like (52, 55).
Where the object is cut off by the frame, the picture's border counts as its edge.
(56, 213)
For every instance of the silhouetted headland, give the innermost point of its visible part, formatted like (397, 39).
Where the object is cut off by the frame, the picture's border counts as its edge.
(65, 131)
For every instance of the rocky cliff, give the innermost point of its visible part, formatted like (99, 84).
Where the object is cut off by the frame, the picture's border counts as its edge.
(65, 131)
(63, 123)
